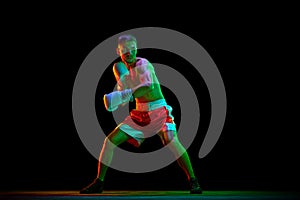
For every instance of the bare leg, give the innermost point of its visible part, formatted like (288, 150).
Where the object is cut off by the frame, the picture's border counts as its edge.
(115, 138)
(179, 151)
(183, 159)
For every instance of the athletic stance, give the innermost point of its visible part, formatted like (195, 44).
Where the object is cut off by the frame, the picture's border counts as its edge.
(136, 80)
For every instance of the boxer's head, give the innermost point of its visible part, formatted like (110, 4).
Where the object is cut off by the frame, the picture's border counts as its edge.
(127, 48)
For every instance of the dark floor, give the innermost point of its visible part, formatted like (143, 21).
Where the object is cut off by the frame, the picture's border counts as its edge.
(174, 195)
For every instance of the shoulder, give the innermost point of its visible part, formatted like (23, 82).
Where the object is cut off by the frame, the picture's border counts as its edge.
(119, 65)
(120, 69)
(141, 61)
(143, 65)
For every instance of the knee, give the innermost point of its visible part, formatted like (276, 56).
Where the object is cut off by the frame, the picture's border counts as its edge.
(108, 144)
(176, 147)
(168, 137)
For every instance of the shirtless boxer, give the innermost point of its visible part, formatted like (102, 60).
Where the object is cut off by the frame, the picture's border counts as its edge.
(136, 80)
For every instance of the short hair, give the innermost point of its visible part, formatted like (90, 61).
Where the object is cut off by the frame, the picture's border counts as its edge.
(126, 38)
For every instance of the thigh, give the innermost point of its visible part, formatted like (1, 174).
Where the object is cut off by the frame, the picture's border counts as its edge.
(117, 136)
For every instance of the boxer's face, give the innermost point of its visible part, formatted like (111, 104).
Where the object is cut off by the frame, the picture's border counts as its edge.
(127, 51)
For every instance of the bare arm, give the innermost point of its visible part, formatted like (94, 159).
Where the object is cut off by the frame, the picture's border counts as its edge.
(146, 81)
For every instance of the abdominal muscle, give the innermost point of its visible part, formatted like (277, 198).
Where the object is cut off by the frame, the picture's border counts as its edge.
(153, 95)
(135, 78)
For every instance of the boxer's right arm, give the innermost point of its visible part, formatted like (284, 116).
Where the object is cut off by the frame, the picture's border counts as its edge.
(120, 71)
(123, 95)
(116, 98)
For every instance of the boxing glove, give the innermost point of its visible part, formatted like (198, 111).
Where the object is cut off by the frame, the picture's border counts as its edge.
(116, 98)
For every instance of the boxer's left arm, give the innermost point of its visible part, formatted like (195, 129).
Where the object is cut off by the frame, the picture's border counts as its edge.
(146, 80)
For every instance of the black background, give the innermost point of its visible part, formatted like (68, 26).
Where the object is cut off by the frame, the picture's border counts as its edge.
(258, 148)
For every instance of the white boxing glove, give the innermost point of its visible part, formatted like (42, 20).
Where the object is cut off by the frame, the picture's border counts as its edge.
(116, 98)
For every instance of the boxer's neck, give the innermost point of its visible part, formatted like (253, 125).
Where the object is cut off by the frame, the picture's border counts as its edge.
(131, 65)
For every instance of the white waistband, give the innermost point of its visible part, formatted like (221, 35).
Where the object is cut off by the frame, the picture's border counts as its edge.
(151, 105)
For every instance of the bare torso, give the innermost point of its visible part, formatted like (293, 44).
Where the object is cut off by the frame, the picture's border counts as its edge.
(141, 73)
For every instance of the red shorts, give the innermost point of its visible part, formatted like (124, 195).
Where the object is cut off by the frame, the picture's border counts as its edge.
(147, 120)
